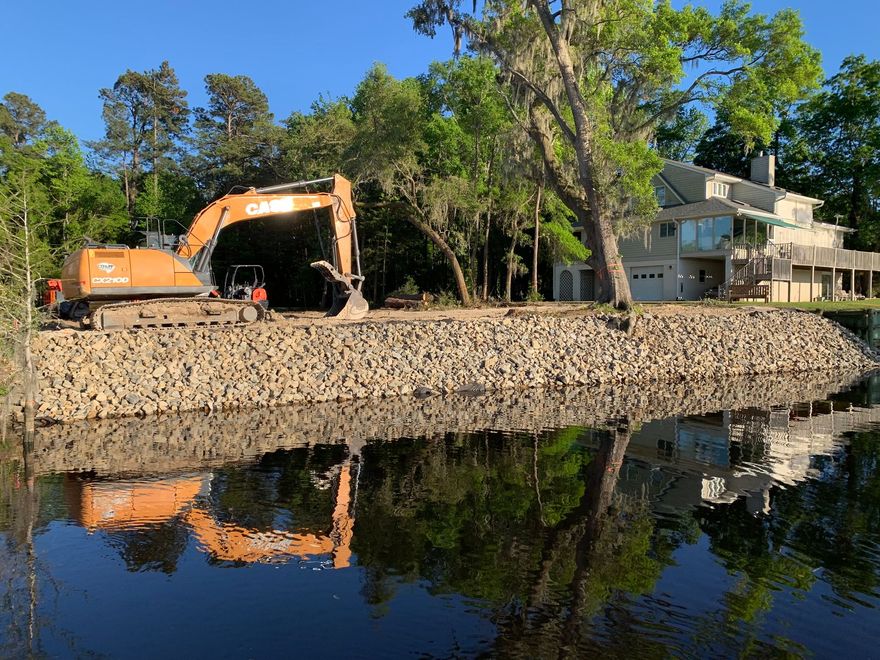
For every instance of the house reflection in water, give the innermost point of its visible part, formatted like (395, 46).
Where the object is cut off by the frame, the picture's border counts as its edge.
(745, 452)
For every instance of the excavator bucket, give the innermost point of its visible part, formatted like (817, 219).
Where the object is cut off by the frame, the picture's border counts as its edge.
(348, 302)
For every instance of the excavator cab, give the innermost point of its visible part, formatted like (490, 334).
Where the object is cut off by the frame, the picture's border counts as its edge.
(246, 282)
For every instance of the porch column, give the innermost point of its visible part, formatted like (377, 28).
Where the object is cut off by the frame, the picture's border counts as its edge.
(677, 259)
(852, 284)
(870, 293)
(813, 274)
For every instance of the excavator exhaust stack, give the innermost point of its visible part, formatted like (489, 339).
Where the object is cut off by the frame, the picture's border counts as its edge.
(348, 302)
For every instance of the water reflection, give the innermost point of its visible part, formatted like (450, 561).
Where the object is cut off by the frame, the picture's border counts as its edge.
(137, 513)
(562, 524)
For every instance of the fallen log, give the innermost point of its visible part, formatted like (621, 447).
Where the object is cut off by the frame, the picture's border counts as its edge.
(408, 300)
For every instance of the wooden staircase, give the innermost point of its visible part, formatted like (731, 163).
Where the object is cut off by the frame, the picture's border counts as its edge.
(754, 268)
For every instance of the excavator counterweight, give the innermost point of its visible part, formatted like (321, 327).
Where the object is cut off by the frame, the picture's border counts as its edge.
(114, 286)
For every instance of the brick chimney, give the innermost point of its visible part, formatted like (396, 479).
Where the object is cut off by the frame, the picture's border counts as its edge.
(764, 169)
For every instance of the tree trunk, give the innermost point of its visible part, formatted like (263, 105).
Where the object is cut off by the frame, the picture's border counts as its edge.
(612, 286)
(485, 292)
(537, 238)
(155, 168)
(133, 178)
(29, 380)
(511, 254)
(443, 246)
(127, 189)
(605, 258)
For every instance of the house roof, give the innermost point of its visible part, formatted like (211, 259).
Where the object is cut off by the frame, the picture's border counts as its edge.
(828, 225)
(735, 179)
(717, 206)
(720, 206)
(666, 182)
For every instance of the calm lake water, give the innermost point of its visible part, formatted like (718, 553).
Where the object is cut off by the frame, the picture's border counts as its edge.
(731, 519)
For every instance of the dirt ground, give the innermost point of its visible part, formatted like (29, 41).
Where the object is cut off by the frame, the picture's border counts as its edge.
(305, 318)
(522, 309)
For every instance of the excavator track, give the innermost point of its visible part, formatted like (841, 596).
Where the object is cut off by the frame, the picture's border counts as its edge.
(175, 313)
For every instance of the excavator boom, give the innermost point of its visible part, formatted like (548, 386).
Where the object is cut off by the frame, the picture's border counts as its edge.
(117, 282)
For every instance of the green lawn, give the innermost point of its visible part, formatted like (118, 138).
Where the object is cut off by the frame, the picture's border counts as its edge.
(828, 306)
(818, 306)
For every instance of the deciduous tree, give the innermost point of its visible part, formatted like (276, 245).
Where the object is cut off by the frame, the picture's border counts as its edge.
(677, 138)
(24, 260)
(597, 78)
(838, 155)
(390, 149)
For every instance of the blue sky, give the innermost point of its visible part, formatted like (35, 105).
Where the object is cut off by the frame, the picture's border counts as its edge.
(293, 50)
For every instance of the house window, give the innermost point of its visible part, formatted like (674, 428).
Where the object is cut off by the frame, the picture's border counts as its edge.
(760, 233)
(704, 234)
(689, 236)
(660, 193)
(667, 229)
(720, 189)
(723, 231)
(739, 231)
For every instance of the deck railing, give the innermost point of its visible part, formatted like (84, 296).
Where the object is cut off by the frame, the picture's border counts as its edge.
(748, 251)
(808, 255)
(754, 264)
(828, 257)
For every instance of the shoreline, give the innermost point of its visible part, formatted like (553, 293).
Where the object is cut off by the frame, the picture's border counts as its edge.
(194, 440)
(88, 375)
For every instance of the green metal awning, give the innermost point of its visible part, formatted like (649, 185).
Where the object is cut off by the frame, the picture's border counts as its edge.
(770, 221)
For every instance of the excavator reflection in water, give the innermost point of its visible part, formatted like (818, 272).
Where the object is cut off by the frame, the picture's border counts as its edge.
(119, 506)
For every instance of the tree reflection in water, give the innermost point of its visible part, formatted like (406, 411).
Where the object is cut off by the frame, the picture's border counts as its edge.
(543, 539)
(560, 538)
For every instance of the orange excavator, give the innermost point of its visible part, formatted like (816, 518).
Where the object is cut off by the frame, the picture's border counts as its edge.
(112, 286)
(114, 506)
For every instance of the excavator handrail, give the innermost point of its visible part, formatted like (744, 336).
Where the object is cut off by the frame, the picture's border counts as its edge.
(294, 184)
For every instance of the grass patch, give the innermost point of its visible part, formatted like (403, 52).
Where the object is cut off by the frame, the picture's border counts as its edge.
(829, 306)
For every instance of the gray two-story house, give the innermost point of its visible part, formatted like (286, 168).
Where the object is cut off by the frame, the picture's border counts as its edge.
(718, 234)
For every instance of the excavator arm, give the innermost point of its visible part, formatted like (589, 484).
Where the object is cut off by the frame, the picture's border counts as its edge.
(199, 242)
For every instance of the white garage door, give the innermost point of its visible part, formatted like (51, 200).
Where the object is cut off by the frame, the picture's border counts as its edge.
(646, 282)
